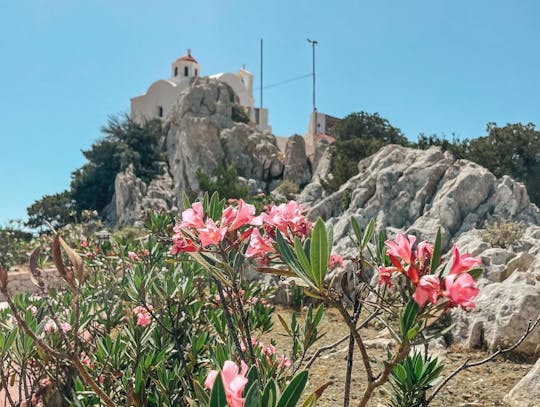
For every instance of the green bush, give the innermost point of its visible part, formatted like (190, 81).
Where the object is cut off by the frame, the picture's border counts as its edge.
(503, 234)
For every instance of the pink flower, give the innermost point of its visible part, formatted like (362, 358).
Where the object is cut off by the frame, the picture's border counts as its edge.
(66, 327)
(460, 289)
(424, 250)
(234, 382)
(211, 234)
(143, 316)
(284, 362)
(182, 244)
(427, 290)
(245, 215)
(463, 262)
(385, 273)
(401, 247)
(50, 326)
(193, 217)
(285, 216)
(85, 360)
(84, 243)
(143, 319)
(335, 261)
(146, 252)
(259, 245)
(133, 256)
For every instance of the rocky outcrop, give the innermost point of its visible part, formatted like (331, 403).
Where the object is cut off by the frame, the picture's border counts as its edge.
(526, 392)
(202, 135)
(297, 165)
(132, 196)
(420, 191)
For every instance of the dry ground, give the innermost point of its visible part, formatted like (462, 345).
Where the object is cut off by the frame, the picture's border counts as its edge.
(483, 386)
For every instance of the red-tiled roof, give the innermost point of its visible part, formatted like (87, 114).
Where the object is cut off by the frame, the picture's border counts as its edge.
(187, 57)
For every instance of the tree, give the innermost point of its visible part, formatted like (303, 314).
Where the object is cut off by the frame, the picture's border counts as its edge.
(225, 183)
(125, 142)
(358, 136)
(510, 150)
(56, 210)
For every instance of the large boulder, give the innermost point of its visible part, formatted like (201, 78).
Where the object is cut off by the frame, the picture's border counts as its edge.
(297, 165)
(526, 393)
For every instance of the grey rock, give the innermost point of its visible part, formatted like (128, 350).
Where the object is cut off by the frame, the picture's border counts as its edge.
(297, 165)
(526, 392)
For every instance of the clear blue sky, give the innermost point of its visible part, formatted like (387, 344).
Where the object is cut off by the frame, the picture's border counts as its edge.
(431, 66)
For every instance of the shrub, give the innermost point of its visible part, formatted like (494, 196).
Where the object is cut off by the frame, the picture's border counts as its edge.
(503, 234)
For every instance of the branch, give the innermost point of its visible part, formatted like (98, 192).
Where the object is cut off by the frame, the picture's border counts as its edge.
(467, 364)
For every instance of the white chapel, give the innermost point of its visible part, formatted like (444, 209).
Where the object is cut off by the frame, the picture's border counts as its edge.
(163, 94)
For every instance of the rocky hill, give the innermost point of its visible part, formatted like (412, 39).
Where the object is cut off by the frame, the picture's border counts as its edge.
(420, 191)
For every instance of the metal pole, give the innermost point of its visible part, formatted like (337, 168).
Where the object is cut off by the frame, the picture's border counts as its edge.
(261, 101)
(313, 43)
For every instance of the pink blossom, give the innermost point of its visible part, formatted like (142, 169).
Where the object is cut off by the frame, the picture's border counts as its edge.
(211, 234)
(424, 250)
(285, 216)
(146, 252)
(427, 290)
(401, 247)
(182, 244)
(84, 243)
(33, 309)
(85, 360)
(245, 215)
(284, 362)
(144, 319)
(193, 217)
(259, 245)
(463, 262)
(89, 255)
(336, 260)
(66, 327)
(385, 273)
(228, 215)
(133, 256)
(269, 350)
(50, 326)
(234, 381)
(460, 289)
(143, 316)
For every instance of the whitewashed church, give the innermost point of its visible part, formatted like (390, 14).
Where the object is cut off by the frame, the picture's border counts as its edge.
(163, 94)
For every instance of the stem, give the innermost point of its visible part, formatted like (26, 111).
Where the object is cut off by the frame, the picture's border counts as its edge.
(357, 338)
(230, 324)
(245, 323)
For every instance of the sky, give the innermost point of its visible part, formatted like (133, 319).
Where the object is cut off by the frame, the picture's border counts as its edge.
(428, 66)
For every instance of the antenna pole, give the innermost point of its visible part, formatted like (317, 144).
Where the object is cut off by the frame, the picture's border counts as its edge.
(261, 101)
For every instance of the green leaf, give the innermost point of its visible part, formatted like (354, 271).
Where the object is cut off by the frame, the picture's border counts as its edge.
(356, 229)
(294, 390)
(408, 317)
(217, 397)
(436, 256)
(476, 272)
(253, 377)
(269, 396)
(284, 324)
(310, 401)
(290, 259)
(368, 233)
(301, 255)
(400, 373)
(253, 396)
(185, 201)
(319, 253)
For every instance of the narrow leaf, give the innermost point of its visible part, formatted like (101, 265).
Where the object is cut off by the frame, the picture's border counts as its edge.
(217, 397)
(319, 253)
(294, 390)
(369, 232)
(436, 256)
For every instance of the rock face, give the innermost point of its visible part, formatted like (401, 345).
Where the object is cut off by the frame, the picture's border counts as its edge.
(526, 392)
(297, 165)
(132, 196)
(420, 191)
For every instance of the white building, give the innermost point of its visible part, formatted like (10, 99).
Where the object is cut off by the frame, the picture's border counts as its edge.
(163, 94)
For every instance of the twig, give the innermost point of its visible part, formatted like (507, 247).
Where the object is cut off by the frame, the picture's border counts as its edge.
(467, 364)
(338, 342)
